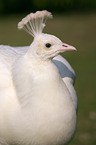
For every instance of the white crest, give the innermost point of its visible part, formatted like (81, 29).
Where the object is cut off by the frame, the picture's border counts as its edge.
(34, 22)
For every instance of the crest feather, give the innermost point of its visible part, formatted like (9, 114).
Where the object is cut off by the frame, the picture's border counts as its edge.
(34, 22)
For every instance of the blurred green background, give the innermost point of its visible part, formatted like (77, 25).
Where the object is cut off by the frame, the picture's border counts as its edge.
(74, 23)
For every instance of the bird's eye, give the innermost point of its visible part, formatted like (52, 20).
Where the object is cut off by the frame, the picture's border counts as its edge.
(48, 45)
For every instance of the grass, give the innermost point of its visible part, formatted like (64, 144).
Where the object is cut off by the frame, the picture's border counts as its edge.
(78, 30)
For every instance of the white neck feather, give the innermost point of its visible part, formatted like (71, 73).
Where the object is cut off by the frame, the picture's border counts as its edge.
(36, 76)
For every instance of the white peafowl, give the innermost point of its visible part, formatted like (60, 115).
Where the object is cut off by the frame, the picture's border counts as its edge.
(37, 99)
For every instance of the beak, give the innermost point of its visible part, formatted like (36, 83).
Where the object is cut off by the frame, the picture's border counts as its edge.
(66, 47)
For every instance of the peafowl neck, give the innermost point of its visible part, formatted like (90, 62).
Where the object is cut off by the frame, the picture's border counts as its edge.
(38, 77)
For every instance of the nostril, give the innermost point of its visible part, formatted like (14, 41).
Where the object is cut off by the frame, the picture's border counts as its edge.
(64, 45)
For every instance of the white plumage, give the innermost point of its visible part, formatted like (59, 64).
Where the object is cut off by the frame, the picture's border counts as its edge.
(37, 99)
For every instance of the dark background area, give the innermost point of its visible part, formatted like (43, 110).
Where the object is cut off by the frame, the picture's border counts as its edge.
(20, 6)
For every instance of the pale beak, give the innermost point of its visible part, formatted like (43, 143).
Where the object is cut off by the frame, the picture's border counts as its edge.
(66, 47)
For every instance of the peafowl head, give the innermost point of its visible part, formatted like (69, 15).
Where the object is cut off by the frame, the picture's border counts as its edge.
(44, 45)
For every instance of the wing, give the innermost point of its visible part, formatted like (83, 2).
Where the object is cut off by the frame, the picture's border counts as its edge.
(5, 86)
(7, 57)
(10, 54)
(4, 75)
(65, 69)
(67, 74)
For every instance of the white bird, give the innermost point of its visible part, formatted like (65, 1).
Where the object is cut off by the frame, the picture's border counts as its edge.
(37, 99)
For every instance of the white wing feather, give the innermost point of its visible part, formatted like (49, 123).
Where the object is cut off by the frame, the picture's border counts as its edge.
(67, 74)
(10, 54)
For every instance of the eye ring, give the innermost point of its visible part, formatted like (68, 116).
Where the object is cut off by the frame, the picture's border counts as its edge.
(48, 45)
